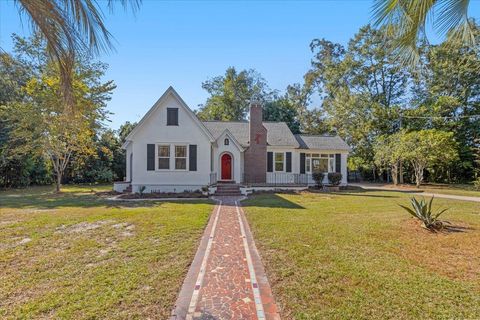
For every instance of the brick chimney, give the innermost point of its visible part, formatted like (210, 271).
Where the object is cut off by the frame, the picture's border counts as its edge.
(256, 155)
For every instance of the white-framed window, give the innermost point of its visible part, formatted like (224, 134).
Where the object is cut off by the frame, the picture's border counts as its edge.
(279, 161)
(163, 156)
(315, 162)
(226, 142)
(180, 157)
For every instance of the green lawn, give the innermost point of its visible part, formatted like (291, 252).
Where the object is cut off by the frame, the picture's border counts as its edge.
(78, 256)
(357, 255)
(460, 189)
(453, 189)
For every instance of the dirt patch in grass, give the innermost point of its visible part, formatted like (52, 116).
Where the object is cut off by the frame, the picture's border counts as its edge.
(82, 227)
(455, 255)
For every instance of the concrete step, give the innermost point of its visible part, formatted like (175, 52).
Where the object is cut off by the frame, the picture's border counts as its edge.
(228, 189)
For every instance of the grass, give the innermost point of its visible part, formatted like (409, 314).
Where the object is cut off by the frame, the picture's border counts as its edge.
(457, 189)
(77, 256)
(452, 189)
(358, 255)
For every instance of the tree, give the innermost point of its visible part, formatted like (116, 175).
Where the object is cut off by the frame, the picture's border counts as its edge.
(125, 130)
(427, 148)
(362, 88)
(69, 28)
(282, 110)
(389, 153)
(407, 21)
(230, 95)
(40, 123)
(447, 97)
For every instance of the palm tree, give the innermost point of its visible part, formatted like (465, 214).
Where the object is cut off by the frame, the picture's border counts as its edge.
(406, 20)
(70, 27)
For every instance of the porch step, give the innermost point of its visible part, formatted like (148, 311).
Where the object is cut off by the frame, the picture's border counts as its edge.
(129, 189)
(228, 190)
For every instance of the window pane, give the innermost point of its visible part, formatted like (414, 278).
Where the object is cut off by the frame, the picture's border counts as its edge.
(315, 155)
(181, 163)
(308, 165)
(278, 166)
(278, 156)
(164, 151)
(331, 165)
(320, 165)
(332, 155)
(180, 151)
(164, 163)
(324, 155)
(323, 165)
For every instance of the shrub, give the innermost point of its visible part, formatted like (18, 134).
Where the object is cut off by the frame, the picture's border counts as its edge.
(334, 178)
(423, 211)
(318, 178)
(141, 190)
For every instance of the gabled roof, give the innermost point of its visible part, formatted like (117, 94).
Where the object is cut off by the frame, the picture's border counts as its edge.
(169, 91)
(323, 142)
(278, 133)
(232, 138)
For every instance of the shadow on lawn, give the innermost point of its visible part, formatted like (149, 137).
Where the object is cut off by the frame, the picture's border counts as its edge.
(51, 200)
(270, 200)
(456, 229)
(361, 194)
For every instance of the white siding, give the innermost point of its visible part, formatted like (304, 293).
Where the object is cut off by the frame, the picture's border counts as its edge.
(155, 131)
(236, 154)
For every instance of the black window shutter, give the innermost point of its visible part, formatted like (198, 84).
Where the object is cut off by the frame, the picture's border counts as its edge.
(302, 162)
(172, 117)
(269, 161)
(192, 157)
(338, 162)
(150, 157)
(289, 161)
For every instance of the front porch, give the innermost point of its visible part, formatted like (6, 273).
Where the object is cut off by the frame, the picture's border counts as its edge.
(273, 179)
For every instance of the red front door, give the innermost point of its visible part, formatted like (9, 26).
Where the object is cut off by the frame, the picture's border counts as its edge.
(226, 167)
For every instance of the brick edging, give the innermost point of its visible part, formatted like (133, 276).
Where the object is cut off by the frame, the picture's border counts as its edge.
(270, 307)
(182, 303)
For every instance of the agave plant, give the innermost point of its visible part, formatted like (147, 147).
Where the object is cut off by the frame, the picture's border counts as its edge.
(423, 211)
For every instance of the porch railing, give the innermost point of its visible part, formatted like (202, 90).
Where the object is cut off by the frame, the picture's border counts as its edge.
(280, 179)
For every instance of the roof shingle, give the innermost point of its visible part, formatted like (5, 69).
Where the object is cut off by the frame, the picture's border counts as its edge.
(321, 142)
(278, 133)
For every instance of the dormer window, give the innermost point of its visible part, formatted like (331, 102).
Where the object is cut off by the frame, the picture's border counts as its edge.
(226, 142)
(172, 117)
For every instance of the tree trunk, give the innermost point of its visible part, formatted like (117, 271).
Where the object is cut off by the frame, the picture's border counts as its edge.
(401, 172)
(395, 174)
(418, 175)
(59, 182)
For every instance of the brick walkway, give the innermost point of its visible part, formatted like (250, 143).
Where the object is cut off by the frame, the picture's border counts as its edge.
(226, 279)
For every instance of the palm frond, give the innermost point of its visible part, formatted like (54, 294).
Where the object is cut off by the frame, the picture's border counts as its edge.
(70, 27)
(409, 18)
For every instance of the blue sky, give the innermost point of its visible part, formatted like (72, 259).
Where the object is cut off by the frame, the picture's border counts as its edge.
(184, 43)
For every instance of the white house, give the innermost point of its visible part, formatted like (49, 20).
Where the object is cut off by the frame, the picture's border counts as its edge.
(171, 150)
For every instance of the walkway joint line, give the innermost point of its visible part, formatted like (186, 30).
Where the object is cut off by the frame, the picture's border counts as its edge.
(251, 270)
